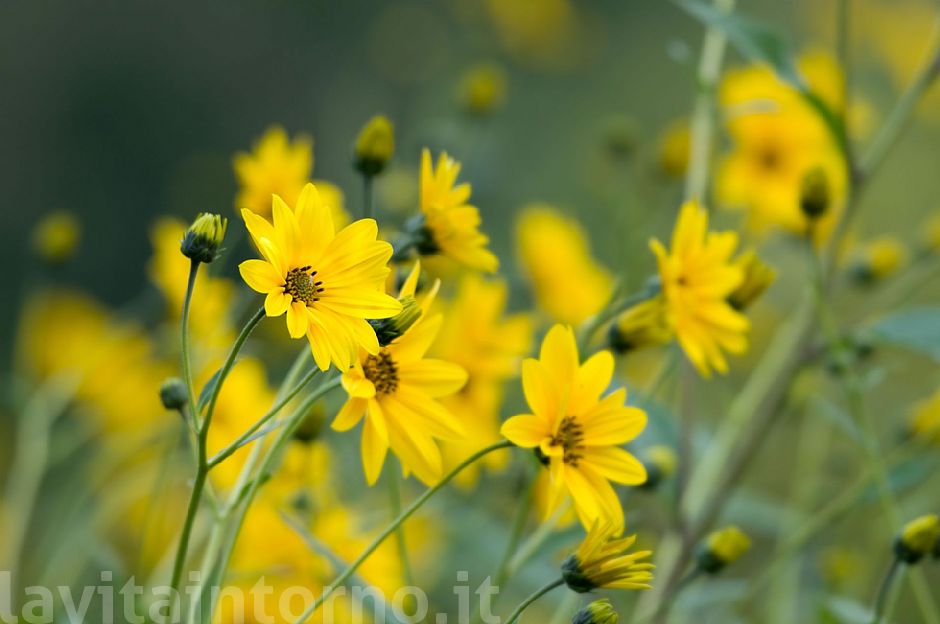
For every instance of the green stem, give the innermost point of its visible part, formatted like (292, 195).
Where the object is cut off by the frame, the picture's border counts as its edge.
(226, 369)
(393, 481)
(345, 574)
(249, 435)
(184, 345)
(614, 307)
(515, 535)
(192, 509)
(885, 590)
(528, 601)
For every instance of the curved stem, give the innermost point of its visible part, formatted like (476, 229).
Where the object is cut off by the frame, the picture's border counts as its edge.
(528, 601)
(249, 435)
(349, 571)
(884, 590)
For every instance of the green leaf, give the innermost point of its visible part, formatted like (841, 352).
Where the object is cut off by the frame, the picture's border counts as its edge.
(207, 391)
(847, 611)
(916, 329)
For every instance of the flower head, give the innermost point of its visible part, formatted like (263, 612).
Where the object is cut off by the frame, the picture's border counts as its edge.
(814, 194)
(604, 560)
(203, 240)
(327, 282)
(698, 276)
(577, 432)
(598, 612)
(722, 548)
(374, 146)
(919, 537)
(397, 389)
(879, 259)
(277, 166)
(482, 89)
(448, 225)
(56, 237)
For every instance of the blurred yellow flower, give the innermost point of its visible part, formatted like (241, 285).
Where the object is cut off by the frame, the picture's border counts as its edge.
(375, 145)
(56, 236)
(482, 89)
(449, 226)
(555, 254)
(697, 276)
(930, 233)
(275, 167)
(397, 390)
(547, 34)
(917, 538)
(674, 146)
(576, 432)
(327, 282)
(925, 419)
(777, 138)
(490, 346)
(758, 277)
(722, 548)
(639, 326)
(604, 561)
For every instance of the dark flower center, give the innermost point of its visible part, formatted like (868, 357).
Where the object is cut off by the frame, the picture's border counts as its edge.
(382, 371)
(569, 437)
(301, 285)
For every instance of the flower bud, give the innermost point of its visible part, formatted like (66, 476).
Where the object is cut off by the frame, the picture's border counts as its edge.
(375, 146)
(674, 147)
(815, 195)
(919, 537)
(758, 276)
(879, 259)
(660, 462)
(598, 612)
(202, 242)
(389, 329)
(642, 325)
(722, 548)
(173, 394)
(482, 90)
(56, 237)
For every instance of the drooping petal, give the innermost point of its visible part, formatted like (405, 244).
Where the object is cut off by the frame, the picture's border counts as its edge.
(525, 430)
(297, 319)
(276, 303)
(260, 276)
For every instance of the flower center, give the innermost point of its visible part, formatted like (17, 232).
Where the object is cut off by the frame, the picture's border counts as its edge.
(382, 371)
(569, 437)
(300, 285)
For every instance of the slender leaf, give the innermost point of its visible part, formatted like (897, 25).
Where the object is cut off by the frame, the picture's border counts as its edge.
(916, 329)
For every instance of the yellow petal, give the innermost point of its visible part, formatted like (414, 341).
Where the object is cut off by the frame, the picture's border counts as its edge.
(349, 415)
(297, 319)
(276, 303)
(436, 378)
(525, 430)
(260, 275)
(373, 451)
(616, 464)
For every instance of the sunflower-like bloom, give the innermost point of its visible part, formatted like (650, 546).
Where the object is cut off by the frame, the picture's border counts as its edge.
(397, 389)
(327, 282)
(698, 275)
(604, 560)
(450, 226)
(578, 433)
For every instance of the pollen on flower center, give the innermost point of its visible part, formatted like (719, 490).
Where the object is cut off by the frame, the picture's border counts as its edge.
(382, 371)
(569, 437)
(301, 285)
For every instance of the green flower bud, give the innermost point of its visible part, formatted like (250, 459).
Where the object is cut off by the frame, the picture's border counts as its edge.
(203, 240)
(815, 195)
(375, 146)
(660, 462)
(173, 394)
(389, 329)
(722, 548)
(919, 537)
(598, 612)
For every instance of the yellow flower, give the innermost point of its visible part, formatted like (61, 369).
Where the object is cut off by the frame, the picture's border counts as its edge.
(925, 419)
(777, 138)
(697, 277)
(598, 612)
(555, 254)
(490, 346)
(276, 167)
(56, 236)
(604, 561)
(576, 432)
(674, 146)
(917, 538)
(374, 146)
(839, 564)
(722, 548)
(398, 389)
(879, 259)
(327, 282)
(448, 225)
(482, 89)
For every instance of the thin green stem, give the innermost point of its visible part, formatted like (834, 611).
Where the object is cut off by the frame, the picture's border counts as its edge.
(199, 484)
(184, 345)
(514, 617)
(345, 574)
(249, 436)
(515, 534)
(227, 368)
(393, 482)
(884, 590)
